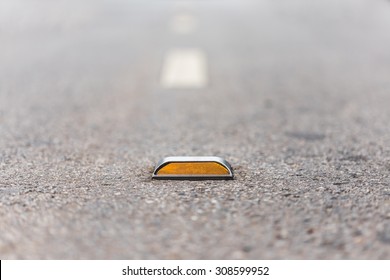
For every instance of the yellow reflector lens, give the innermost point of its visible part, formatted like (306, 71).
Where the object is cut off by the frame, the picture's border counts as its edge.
(193, 168)
(187, 167)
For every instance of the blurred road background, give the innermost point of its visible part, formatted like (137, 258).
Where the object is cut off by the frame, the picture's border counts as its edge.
(294, 94)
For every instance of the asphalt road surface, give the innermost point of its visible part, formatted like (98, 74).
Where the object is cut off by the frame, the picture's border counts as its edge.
(294, 94)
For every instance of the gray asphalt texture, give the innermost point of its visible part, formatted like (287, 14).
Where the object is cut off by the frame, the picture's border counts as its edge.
(298, 103)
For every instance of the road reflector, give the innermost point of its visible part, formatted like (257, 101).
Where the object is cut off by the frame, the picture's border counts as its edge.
(193, 168)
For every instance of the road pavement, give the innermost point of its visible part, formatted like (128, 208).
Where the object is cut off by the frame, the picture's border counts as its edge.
(294, 94)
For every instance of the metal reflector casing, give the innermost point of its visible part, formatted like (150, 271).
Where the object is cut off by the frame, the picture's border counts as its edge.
(183, 167)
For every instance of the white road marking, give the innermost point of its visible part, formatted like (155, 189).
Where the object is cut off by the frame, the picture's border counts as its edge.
(184, 68)
(183, 24)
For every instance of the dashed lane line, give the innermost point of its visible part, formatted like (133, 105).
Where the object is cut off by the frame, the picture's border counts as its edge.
(184, 68)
